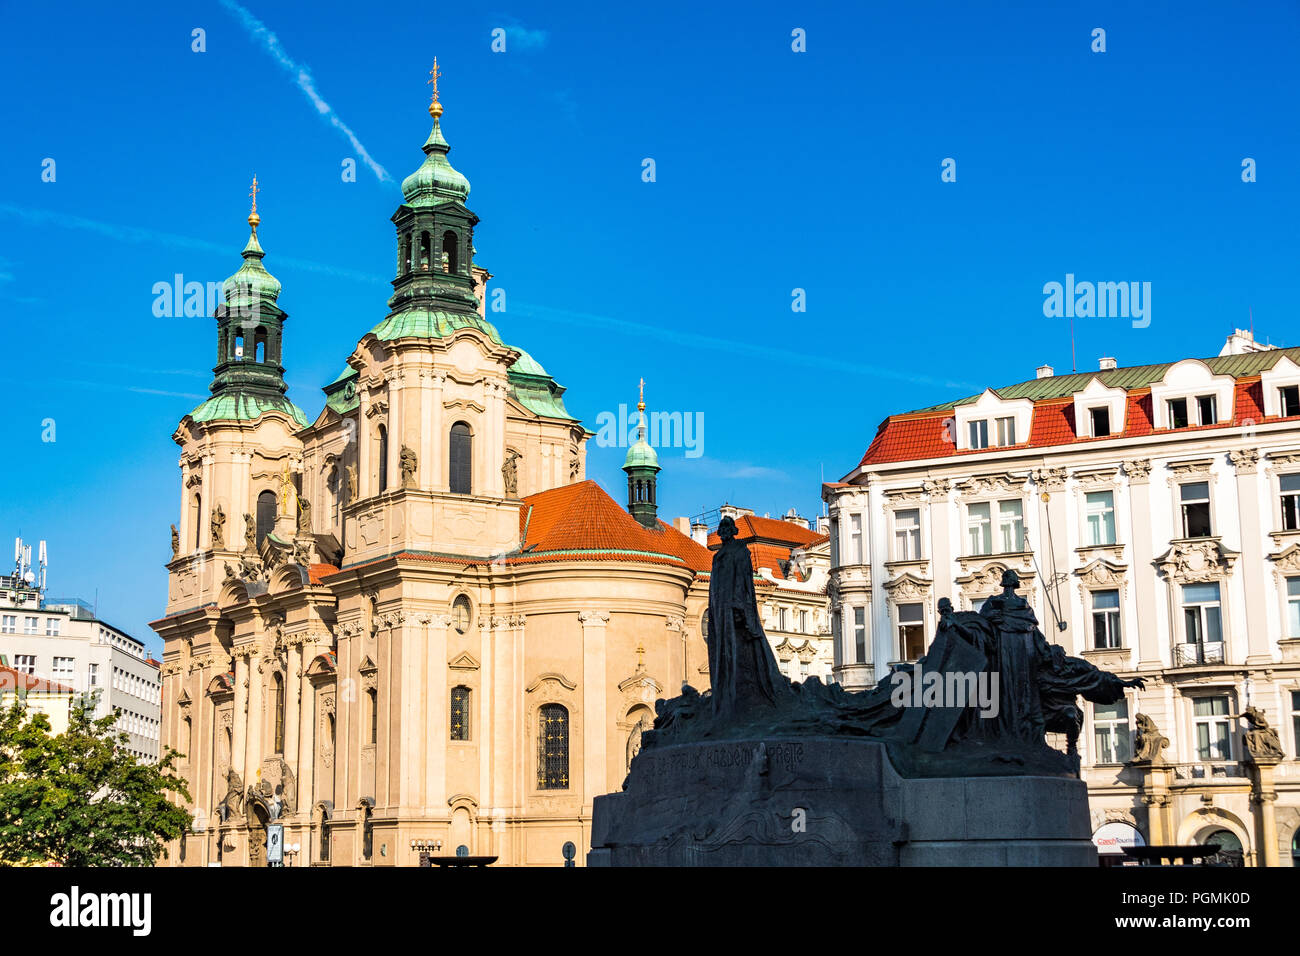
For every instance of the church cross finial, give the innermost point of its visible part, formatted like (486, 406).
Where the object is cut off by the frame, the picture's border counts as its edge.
(640, 404)
(435, 108)
(253, 217)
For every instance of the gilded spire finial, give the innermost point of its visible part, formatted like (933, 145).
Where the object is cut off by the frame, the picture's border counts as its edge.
(253, 217)
(435, 108)
(640, 405)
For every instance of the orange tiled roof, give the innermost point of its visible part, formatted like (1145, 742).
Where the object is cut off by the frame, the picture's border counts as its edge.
(749, 527)
(316, 572)
(11, 679)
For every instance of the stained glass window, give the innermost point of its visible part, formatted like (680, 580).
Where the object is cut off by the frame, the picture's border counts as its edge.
(553, 748)
(460, 713)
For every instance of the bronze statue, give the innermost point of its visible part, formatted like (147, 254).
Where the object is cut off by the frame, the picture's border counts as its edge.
(742, 667)
(510, 472)
(1261, 740)
(408, 464)
(176, 542)
(218, 527)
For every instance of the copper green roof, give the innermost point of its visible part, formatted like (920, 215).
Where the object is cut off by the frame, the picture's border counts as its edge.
(341, 394)
(246, 407)
(252, 277)
(641, 454)
(435, 182)
(533, 388)
(1134, 376)
(432, 324)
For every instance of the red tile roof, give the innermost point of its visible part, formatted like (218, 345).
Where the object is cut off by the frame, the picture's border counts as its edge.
(11, 679)
(928, 434)
(773, 530)
(316, 572)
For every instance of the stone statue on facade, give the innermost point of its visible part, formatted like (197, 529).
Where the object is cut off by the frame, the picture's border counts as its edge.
(232, 804)
(1261, 739)
(176, 543)
(1148, 742)
(510, 472)
(351, 471)
(250, 534)
(218, 528)
(304, 516)
(408, 463)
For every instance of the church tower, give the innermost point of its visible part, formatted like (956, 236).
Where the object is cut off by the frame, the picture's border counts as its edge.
(642, 467)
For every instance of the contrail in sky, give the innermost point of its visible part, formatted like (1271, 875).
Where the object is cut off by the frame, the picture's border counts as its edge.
(302, 76)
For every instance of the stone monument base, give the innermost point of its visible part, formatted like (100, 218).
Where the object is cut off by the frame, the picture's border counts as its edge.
(830, 801)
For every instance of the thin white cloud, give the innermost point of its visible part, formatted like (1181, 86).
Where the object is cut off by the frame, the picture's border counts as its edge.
(302, 76)
(136, 234)
(520, 37)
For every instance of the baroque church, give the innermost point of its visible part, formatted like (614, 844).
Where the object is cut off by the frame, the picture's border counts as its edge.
(410, 625)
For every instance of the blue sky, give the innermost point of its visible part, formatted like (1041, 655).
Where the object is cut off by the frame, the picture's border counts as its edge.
(775, 170)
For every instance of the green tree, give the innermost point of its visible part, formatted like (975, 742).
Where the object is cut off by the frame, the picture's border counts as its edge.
(80, 798)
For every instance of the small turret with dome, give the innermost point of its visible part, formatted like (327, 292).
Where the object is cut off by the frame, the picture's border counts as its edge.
(434, 289)
(642, 467)
(250, 327)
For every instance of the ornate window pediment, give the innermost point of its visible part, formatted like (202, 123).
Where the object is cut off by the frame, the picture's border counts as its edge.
(463, 662)
(908, 587)
(1102, 574)
(549, 677)
(1287, 561)
(1193, 560)
(1003, 485)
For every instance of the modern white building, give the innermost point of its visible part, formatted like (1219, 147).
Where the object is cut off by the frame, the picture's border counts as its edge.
(1153, 515)
(63, 641)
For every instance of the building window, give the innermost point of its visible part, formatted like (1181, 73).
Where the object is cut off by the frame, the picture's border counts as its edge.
(1100, 506)
(460, 614)
(1105, 620)
(1100, 421)
(855, 539)
(1206, 410)
(781, 619)
(279, 711)
(860, 635)
(460, 713)
(1177, 408)
(803, 622)
(372, 696)
(978, 432)
(1006, 431)
(1213, 728)
(1293, 607)
(803, 669)
(93, 675)
(460, 460)
(1289, 400)
(25, 663)
(265, 515)
(383, 459)
(1295, 720)
(52, 626)
(8, 624)
(1195, 503)
(1290, 487)
(979, 531)
(334, 485)
(1202, 623)
(553, 748)
(907, 535)
(64, 668)
(911, 631)
(1011, 525)
(30, 625)
(1111, 733)
(196, 520)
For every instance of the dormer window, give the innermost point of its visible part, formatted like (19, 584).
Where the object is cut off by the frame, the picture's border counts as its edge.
(1190, 394)
(1205, 410)
(1006, 431)
(979, 433)
(1177, 413)
(1289, 400)
(1100, 418)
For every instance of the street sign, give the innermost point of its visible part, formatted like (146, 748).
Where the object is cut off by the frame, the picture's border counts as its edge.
(275, 843)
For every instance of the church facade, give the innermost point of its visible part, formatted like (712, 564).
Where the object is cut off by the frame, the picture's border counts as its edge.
(410, 625)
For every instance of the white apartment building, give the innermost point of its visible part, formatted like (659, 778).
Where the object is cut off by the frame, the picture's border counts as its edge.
(61, 640)
(1153, 515)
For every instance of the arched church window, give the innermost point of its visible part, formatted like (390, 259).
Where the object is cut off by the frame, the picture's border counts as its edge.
(265, 515)
(553, 748)
(259, 345)
(196, 520)
(460, 614)
(238, 355)
(460, 460)
(450, 254)
(278, 678)
(460, 697)
(426, 251)
(383, 459)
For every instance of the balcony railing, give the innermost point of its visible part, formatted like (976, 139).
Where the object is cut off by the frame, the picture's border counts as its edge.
(1190, 655)
(1209, 770)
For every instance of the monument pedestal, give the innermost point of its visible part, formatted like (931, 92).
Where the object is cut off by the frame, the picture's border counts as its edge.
(830, 801)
